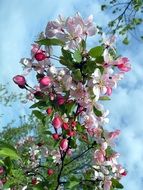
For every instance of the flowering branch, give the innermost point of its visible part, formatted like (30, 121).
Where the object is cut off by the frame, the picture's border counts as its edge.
(68, 106)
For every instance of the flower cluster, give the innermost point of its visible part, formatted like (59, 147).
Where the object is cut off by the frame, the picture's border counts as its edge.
(70, 97)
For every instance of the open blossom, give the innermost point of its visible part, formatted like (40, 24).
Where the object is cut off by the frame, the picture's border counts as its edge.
(99, 156)
(78, 91)
(71, 30)
(99, 85)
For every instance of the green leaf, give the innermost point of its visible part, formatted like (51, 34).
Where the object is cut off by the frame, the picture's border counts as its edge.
(100, 59)
(116, 184)
(82, 45)
(39, 104)
(77, 75)
(109, 151)
(80, 128)
(51, 42)
(96, 51)
(73, 143)
(67, 54)
(104, 98)
(38, 114)
(73, 184)
(125, 41)
(89, 67)
(70, 107)
(7, 150)
(97, 112)
(66, 62)
(77, 56)
(47, 133)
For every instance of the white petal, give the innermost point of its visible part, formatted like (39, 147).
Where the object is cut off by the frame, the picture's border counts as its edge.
(96, 91)
(103, 89)
(97, 73)
(106, 56)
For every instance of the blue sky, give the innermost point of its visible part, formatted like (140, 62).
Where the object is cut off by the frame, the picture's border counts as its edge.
(22, 20)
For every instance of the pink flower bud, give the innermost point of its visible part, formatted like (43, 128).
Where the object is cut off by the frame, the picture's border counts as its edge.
(45, 81)
(60, 100)
(69, 152)
(1, 170)
(114, 134)
(64, 144)
(65, 126)
(124, 68)
(123, 64)
(73, 124)
(50, 172)
(71, 133)
(49, 111)
(109, 91)
(4, 180)
(34, 181)
(124, 173)
(57, 122)
(52, 96)
(40, 56)
(55, 136)
(19, 80)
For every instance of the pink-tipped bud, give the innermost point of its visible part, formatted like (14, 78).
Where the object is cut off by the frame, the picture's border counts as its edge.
(1, 170)
(60, 100)
(45, 81)
(40, 56)
(114, 134)
(57, 122)
(49, 111)
(73, 124)
(124, 68)
(55, 136)
(124, 173)
(69, 152)
(50, 172)
(19, 80)
(64, 144)
(34, 181)
(109, 91)
(65, 126)
(4, 180)
(52, 96)
(71, 133)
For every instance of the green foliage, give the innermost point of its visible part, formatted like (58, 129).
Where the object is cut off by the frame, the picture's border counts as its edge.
(96, 51)
(77, 56)
(7, 98)
(97, 112)
(104, 98)
(128, 18)
(7, 150)
(116, 184)
(50, 42)
(126, 41)
(77, 75)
